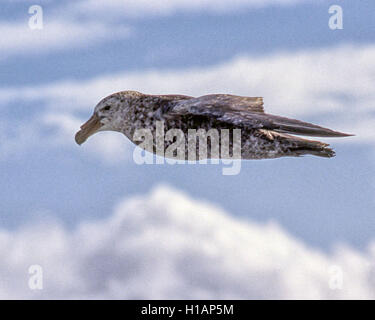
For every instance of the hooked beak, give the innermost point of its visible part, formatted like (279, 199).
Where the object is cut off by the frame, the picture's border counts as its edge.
(88, 129)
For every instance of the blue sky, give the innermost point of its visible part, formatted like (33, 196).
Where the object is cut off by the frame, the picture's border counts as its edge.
(194, 50)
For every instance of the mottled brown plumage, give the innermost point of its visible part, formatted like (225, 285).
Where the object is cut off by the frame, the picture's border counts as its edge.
(263, 136)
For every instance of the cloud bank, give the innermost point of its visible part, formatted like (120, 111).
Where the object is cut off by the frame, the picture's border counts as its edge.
(303, 82)
(166, 245)
(18, 38)
(85, 22)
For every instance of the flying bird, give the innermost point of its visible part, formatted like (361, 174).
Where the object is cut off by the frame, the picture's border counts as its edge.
(263, 136)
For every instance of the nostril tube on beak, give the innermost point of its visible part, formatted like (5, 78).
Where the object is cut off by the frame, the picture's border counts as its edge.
(88, 129)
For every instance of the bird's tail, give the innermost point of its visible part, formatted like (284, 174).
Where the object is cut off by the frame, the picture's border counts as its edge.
(298, 147)
(319, 150)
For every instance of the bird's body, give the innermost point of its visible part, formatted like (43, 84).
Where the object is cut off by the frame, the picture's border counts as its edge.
(262, 136)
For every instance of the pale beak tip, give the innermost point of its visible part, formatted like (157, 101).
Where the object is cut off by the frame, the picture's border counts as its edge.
(90, 127)
(78, 138)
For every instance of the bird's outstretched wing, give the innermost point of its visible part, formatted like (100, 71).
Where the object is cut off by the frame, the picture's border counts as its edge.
(246, 112)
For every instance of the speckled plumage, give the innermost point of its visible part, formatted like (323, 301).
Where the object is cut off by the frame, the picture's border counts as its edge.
(263, 136)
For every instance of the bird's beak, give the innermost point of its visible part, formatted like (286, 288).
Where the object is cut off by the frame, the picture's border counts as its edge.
(88, 129)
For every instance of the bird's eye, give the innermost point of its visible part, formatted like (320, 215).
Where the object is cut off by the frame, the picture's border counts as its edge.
(106, 108)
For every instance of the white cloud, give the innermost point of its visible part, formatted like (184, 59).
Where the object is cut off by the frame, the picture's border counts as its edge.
(167, 245)
(65, 29)
(140, 8)
(18, 38)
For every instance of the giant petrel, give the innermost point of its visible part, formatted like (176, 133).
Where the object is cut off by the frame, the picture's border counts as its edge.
(262, 135)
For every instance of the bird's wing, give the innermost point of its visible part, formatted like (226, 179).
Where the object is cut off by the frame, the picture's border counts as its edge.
(246, 112)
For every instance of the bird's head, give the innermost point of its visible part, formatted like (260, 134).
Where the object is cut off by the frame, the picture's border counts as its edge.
(107, 115)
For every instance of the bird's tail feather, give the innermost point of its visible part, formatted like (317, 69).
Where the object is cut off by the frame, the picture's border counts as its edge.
(298, 146)
(315, 148)
(321, 151)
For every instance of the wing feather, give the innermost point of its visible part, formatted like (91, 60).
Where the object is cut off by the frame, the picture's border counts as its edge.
(247, 112)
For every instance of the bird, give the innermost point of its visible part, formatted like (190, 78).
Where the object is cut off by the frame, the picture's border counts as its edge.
(261, 135)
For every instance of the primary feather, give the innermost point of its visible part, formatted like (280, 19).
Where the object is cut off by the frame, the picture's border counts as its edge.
(248, 112)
